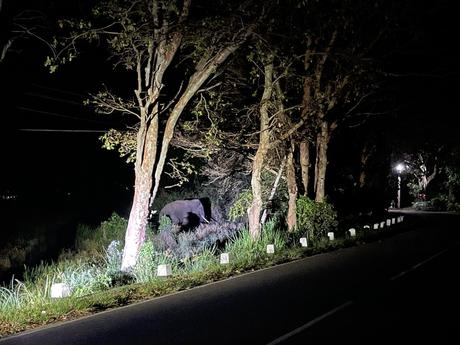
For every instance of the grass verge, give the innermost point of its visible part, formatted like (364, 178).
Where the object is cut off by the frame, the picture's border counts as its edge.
(43, 311)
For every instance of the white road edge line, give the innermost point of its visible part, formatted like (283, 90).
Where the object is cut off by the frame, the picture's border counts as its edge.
(310, 323)
(413, 268)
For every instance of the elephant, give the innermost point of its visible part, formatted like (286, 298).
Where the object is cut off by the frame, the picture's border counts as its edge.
(187, 213)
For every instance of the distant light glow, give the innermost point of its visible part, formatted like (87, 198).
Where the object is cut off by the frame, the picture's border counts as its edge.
(400, 167)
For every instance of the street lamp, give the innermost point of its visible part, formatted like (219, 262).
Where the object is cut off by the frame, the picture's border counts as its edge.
(399, 168)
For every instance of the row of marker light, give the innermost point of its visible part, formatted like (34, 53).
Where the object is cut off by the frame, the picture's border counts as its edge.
(62, 290)
(165, 270)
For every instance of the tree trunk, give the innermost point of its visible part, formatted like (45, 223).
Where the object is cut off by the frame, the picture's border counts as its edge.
(273, 191)
(255, 209)
(304, 164)
(322, 142)
(137, 223)
(292, 189)
(135, 233)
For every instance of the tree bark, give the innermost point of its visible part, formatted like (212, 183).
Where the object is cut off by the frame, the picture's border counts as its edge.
(138, 216)
(292, 190)
(137, 223)
(365, 155)
(322, 142)
(255, 209)
(304, 164)
(273, 191)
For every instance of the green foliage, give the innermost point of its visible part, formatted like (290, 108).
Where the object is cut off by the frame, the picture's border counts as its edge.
(243, 249)
(165, 224)
(145, 269)
(453, 206)
(315, 219)
(113, 229)
(453, 175)
(148, 261)
(202, 261)
(113, 257)
(414, 189)
(125, 141)
(94, 240)
(241, 205)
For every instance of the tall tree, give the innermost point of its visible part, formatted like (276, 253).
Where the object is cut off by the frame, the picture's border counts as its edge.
(145, 37)
(255, 210)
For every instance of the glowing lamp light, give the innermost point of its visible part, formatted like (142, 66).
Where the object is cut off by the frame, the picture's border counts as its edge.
(399, 168)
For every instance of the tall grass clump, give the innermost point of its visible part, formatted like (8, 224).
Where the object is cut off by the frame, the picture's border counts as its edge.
(244, 250)
(148, 260)
(82, 276)
(202, 261)
(18, 296)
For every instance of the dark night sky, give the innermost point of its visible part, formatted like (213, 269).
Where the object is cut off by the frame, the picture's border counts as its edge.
(55, 162)
(60, 161)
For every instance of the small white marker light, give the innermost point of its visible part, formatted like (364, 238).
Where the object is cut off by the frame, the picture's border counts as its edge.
(60, 290)
(224, 258)
(270, 248)
(163, 270)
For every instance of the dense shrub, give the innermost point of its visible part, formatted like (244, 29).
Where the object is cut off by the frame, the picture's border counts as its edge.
(204, 237)
(187, 244)
(315, 219)
(439, 203)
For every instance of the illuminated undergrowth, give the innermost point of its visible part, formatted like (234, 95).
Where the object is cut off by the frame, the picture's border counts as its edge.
(97, 285)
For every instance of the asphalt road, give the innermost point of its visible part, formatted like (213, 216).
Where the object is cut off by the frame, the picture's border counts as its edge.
(402, 288)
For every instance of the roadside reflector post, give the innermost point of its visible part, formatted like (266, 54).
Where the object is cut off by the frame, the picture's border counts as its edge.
(60, 290)
(164, 270)
(270, 248)
(224, 258)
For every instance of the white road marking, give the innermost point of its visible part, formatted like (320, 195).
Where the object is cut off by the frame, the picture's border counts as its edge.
(347, 304)
(310, 323)
(399, 275)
